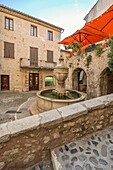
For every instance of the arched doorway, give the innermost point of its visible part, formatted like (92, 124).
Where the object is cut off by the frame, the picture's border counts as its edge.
(79, 80)
(106, 82)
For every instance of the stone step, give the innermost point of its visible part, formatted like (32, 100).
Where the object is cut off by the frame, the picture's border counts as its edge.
(93, 152)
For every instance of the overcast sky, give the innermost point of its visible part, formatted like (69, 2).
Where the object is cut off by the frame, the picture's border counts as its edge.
(67, 14)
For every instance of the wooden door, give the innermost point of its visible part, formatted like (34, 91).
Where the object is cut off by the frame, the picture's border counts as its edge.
(4, 82)
(33, 81)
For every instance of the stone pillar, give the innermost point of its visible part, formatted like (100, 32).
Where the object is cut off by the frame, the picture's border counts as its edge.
(60, 74)
(40, 81)
(27, 81)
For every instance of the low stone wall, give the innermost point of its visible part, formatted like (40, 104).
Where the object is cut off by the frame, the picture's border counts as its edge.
(29, 140)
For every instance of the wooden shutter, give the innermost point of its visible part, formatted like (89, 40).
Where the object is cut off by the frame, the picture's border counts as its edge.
(8, 50)
(34, 57)
(50, 56)
(11, 47)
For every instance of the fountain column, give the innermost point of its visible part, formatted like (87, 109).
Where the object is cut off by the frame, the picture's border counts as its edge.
(60, 74)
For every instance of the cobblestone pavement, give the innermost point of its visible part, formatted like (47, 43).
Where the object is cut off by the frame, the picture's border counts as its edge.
(94, 152)
(11, 102)
(41, 166)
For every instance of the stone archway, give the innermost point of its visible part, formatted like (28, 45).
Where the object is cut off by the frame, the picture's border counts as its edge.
(106, 82)
(79, 80)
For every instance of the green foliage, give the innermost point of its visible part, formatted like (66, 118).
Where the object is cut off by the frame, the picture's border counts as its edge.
(110, 55)
(75, 47)
(88, 60)
(99, 50)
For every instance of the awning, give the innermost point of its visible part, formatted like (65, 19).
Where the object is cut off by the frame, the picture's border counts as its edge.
(94, 31)
(103, 23)
(85, 37)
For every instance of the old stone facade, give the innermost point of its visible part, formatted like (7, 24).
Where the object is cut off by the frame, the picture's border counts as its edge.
(28, 50)
(95, 78)
(98, 9)
(65, 54)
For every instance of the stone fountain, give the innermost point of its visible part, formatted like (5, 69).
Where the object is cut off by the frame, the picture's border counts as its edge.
(60, 74)
(55, 98)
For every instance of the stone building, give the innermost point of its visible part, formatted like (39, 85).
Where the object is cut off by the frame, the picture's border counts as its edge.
(28, 50)
(98, 9)
(94, 78)
(65, 54)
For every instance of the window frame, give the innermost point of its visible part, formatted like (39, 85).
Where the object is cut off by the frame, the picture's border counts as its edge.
(50, 35)
(9, 23)
(9, 50)
(32, 31)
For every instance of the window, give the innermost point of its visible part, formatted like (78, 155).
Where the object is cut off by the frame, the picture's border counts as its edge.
(8, 23)
(50, 35)
(49, 81)
(50, 56)
(8, 50)
(33, 30)
(33, 57)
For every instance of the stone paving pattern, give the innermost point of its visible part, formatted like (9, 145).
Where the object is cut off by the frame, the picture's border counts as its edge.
(93, 152)
(41, 166)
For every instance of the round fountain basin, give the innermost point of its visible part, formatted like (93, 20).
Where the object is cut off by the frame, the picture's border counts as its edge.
(48, 100)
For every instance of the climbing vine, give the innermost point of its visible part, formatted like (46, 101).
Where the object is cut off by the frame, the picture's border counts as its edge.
(88, 60)
(99, 50)
(110, 55)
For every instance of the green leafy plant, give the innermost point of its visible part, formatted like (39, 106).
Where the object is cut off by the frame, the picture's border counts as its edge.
(110, 55)
(75, 47)
(99, 50)
(88, 60)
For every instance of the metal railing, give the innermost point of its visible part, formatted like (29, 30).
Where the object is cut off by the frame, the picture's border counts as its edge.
(25, 63)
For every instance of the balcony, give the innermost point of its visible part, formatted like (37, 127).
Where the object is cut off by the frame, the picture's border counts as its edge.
(42, 64)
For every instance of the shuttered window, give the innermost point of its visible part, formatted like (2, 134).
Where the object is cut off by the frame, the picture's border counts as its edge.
(8, 23)
(49, 56)
(50, 35)
(8, 50)
(33, 57)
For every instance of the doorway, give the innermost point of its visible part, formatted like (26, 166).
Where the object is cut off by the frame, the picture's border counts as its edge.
(106, 82)
(79, 80)
(33, 81)
(4, 82)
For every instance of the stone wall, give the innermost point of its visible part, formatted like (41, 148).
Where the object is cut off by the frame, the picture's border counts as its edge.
(98, 9)
(93, 71)
(27, 141)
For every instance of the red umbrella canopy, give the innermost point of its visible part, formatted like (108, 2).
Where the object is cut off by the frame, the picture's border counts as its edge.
(94, 31)
(84, 36)
(103, 23)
